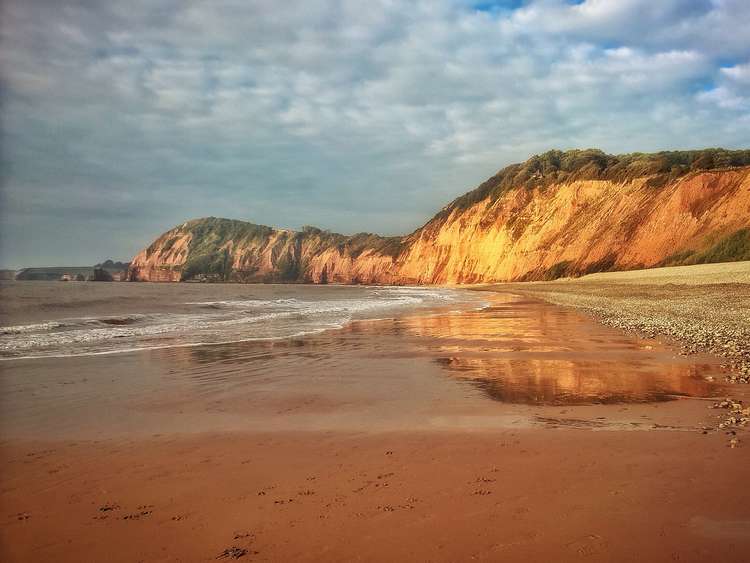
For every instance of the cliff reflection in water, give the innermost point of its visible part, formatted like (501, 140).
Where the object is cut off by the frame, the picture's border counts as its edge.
(551, 381)
(515, 351)
(522, 351)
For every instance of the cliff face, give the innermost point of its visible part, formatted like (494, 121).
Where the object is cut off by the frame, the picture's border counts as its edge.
(213, 249)
(557, 214)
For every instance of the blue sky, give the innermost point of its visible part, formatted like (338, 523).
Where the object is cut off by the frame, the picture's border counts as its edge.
(122, 119)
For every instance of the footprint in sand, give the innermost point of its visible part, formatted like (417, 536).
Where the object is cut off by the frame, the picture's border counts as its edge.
(143, 511)
(232, 553)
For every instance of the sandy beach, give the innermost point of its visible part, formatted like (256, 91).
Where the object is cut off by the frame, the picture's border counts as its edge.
(533, 495)
(523, 431)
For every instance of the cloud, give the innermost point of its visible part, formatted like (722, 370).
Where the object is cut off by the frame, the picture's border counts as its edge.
(716, 27)
(122, 119)
(732, 91)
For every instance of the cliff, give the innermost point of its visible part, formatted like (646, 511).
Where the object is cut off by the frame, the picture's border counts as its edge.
(557, 214)
(214, 249)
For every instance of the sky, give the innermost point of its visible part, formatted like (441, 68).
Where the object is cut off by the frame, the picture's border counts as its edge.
(122, 119)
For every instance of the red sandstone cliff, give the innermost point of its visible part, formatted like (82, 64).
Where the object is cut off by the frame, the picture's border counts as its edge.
(557, 214)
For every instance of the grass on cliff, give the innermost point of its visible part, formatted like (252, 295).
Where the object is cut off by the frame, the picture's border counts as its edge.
(207, 232)
(568, 268)
(355, 245)
(557, 166)
(206, 255)
(732, 248)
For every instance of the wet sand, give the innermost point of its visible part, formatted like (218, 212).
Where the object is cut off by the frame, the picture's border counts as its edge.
(522, 432)
(703, 308)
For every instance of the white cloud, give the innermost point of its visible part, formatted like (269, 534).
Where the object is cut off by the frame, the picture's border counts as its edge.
(732, 91)
(738, 74)
(716, 27)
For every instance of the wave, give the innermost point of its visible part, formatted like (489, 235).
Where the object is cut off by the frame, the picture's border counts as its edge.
(215, 321)
(38, 327)
(71, 323)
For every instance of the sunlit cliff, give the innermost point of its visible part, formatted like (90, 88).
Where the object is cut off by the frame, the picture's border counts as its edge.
(557, 214)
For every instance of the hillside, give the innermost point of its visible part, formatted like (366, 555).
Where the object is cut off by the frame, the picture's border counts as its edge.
(214, 249)
(558, 214)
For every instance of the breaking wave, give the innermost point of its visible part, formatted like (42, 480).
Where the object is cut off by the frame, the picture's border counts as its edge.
(219, 321)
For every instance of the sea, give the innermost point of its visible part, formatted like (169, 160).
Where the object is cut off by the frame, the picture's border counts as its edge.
(59, 319)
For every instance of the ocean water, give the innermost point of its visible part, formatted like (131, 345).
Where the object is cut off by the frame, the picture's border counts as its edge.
(57, 319)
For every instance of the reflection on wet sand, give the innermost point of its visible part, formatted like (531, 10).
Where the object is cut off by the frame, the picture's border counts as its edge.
(521, 351)
(551, 381)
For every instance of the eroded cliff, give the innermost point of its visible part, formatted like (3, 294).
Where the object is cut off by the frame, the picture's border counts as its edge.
(561, 213)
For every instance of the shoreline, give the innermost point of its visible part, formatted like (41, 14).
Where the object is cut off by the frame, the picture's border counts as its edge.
(702, 308)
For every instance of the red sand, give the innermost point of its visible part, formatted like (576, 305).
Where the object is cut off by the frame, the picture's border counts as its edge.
(532, 495)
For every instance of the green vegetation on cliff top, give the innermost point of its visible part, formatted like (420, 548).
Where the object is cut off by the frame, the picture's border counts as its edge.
(209, 253)
(554, 167)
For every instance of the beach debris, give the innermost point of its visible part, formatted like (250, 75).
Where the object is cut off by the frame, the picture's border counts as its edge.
(232, 553)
